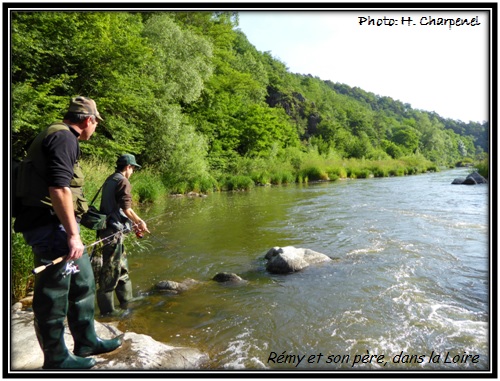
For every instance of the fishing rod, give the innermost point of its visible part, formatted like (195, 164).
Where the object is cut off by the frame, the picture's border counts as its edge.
(39, 269)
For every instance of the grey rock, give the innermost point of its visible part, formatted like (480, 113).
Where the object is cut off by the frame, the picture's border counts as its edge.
(138, 352)
(175, 287)
(227, 277)
(289, 259)
(477, 178)
(469, 181)
(472, 179)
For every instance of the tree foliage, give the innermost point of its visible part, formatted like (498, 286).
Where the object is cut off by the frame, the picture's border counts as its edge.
(188, 94)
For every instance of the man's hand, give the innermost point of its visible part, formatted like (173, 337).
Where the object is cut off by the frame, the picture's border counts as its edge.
(75, 246)
(142, 226)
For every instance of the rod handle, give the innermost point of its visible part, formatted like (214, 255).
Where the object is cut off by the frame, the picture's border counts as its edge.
(43, 267)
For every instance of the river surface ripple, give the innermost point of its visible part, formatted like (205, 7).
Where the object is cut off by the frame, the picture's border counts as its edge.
(410, 274)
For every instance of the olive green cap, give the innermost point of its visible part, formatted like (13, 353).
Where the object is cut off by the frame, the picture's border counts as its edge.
(127, 159)
(83, 105)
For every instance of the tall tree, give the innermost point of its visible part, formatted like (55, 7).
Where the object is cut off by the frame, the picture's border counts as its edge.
(180, 64)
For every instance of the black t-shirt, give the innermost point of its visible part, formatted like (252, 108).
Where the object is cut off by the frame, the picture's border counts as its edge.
(62, 150)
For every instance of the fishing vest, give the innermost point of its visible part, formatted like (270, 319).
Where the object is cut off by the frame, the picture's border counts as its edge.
(109, 206)
(32, 185)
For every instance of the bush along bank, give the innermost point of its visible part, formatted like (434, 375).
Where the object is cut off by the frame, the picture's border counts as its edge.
(313, 170)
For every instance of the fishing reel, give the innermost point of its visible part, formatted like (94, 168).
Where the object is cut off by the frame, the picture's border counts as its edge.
(138, 233)
(70, 268)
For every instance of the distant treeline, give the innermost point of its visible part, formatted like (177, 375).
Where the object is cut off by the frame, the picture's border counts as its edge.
(195, 101)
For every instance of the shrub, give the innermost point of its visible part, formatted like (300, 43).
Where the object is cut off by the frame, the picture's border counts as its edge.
(363, 174)
(288, 178)
(147, 187)
(465, 162)
(96, 172)
(205, 184)
(261, 178)
(22, 264)
(335, 173)
(239, 182)
(282, 177)
(181, 187)
(482, 168)
(397, 171)
(412, 170)
(380, 171)
(433, 167)
(314, 173)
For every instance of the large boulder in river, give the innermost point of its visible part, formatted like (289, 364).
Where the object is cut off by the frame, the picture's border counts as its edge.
(289, 259)
(173, 287)
(138, 352)
(473, 179)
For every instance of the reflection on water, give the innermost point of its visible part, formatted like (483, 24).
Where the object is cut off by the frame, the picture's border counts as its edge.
(410, 274)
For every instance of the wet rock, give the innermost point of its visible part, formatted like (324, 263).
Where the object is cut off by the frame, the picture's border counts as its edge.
(175, 287)
(477, 178)
(139, 352)
(473, 179)
(227, 277)
(289, 259)
(469, 181)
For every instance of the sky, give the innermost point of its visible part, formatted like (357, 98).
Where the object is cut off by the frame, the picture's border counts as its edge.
(431, 67)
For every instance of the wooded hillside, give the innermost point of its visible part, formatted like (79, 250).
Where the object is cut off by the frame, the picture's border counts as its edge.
(190, 96)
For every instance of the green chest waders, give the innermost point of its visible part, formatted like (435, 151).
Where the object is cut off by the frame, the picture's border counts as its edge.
(113, 276)
(59, 293)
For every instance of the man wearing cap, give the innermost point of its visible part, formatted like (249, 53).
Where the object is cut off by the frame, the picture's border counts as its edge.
(116, 203)
(50, 185)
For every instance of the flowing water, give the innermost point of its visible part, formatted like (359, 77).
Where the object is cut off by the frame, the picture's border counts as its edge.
(409, 279)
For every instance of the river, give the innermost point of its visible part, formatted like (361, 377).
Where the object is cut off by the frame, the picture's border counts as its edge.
(408, 284)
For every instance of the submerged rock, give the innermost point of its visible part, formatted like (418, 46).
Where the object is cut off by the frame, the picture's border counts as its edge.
(227, 277)
(175, 287)
(289, 259)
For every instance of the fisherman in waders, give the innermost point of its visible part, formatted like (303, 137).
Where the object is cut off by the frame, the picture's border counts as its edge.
(49, 185)
(116, 203)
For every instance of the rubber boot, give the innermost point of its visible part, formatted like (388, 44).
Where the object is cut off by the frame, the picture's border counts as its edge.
(50, 306)
(105, 302)
(81, 314)
(56, 355)
(109, 276)
(124, 292)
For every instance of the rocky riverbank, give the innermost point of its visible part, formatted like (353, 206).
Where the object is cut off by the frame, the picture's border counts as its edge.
(138, 352)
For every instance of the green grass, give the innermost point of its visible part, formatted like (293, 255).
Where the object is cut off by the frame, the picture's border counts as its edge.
(238, 183)
(147, 186)
(482, 167)
(314, 173)
(22, 264)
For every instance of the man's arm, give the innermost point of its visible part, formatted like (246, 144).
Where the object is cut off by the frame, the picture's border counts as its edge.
(62, 202)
